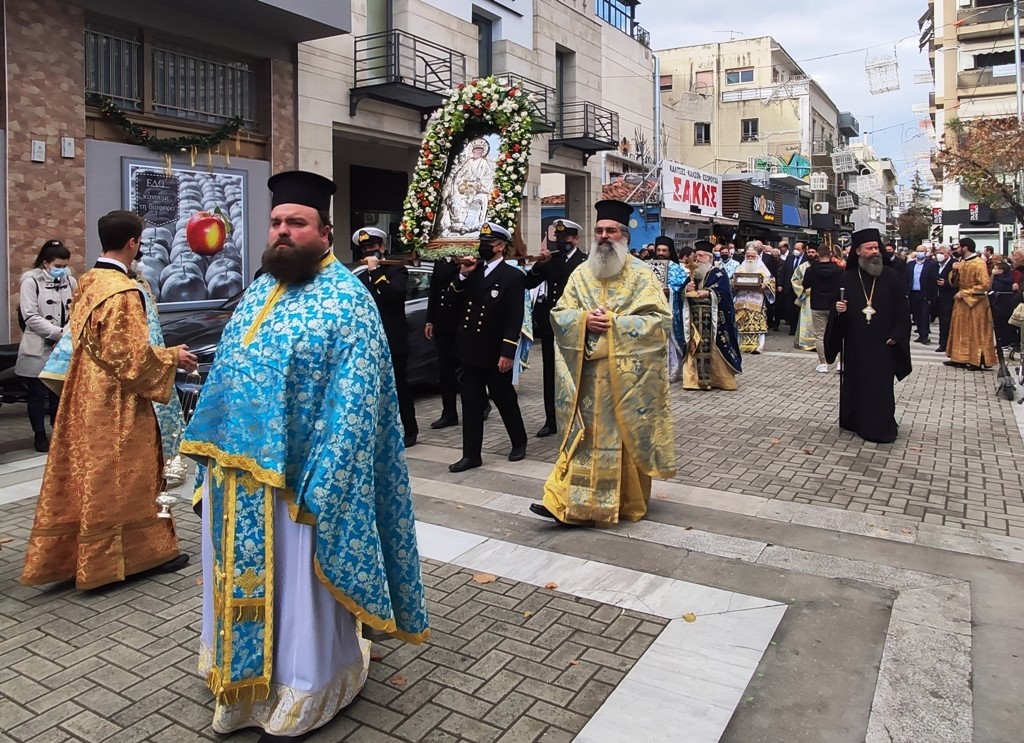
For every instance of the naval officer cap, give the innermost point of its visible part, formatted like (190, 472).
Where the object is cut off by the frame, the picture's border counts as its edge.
(492, 231)
(302, 187)
(704, 246)
(369, 236)
(566, 228)
(617, 211)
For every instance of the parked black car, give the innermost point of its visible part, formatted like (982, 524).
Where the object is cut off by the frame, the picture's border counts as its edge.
(200, 330)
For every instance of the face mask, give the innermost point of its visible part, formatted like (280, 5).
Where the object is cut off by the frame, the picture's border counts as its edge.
(58, 273)
(485, 250)
(718, 255)
(920, 256)
(798, 253)
(372, 254)
(561, 247)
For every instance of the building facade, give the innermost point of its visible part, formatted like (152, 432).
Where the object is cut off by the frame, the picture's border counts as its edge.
(364, 98)
(970, 47)
(82, 76)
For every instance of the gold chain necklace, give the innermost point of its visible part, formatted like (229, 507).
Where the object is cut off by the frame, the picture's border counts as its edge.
(868, 311)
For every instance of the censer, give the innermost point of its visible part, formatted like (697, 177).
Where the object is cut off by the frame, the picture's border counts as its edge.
(176, 470)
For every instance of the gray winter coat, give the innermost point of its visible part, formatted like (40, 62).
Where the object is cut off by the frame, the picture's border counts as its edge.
(46, 308)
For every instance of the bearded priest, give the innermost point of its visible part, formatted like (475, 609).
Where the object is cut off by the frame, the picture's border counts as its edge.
(713, 355)
(611, 331)
(870, 327)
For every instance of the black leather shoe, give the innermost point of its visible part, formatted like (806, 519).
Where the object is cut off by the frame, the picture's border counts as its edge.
(464, 464)
(940, 349)
(41, 444)
(171, 566)
(487, 411)
(957, 364)
(443, 422)
(409, 441)
(517, 454)
(541, 510)
(547, 430)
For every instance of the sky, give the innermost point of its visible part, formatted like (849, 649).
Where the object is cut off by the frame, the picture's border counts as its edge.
(810, 29)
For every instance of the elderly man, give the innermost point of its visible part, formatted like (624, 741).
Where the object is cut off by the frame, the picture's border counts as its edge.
(308, 530)
(751, 299)
(971, 340)
(871, 328)
(946, 293)
(804, 338)
(611, 326)
(712, 350)
(549, 275)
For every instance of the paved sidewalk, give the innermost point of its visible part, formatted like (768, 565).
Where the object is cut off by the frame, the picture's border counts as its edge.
(778, 437)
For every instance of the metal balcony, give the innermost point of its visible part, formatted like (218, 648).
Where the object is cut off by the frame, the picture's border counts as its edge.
(848, 125)
(543, 114)
(985, 77)
(397, 67)
(291, 20)
(822, 146)
(586, 127)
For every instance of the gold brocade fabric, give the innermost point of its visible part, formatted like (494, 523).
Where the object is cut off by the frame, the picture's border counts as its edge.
(611, 397)
(971, 337)
(96, 518)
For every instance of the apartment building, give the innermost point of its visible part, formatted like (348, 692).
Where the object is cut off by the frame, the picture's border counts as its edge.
(877, 199)
(364, 98)
(970, 47)
(746, 107)
(97, 95)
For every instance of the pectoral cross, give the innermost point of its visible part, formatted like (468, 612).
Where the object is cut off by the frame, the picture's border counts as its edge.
(868, 312)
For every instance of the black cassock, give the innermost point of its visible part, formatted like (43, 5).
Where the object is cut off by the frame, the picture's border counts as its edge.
(867, 400)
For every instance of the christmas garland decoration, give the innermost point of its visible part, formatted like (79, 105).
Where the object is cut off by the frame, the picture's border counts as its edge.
(481, 106)
(141, 135)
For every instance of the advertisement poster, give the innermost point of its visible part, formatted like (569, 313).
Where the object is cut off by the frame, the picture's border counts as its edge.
(214, 267)
(683, 187)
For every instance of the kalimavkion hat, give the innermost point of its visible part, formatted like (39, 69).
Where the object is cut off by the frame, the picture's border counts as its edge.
(664, 240)
(369, 236)
(566, 227)
(617, 211)
(301, 187)
(493, 231)
(869, 235)
(703, 246)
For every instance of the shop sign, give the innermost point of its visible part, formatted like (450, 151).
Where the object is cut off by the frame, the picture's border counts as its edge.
(683, 187)
(763, 204)
(936, 215)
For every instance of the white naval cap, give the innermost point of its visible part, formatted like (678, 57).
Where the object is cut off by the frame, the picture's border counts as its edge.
(493, 231)
(566, 227)
(368, 234)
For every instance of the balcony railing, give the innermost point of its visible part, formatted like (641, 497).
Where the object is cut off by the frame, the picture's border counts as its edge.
(543, 114)
(586, 127)
(985, 77)
(113, 66)
(397, 67)
(992, 14)
(641, 34)
(822, 146)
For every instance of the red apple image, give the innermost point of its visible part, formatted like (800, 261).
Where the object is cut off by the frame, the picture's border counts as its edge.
(206, 232)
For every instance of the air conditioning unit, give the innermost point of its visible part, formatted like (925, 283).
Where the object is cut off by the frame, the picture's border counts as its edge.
(819, 207)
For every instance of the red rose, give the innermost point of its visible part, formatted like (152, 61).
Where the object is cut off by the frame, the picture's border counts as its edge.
(516, 148)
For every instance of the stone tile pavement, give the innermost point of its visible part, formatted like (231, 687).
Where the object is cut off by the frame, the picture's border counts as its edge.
(777, 437)
(506, 662)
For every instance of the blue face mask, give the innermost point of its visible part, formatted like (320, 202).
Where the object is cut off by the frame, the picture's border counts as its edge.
(58, 273)
(717, 254)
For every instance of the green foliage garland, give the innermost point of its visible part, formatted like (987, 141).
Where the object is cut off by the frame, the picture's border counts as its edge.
(141, 135)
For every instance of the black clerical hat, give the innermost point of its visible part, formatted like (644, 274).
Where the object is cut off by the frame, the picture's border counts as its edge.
(302, 187)
(617, 211)
(664, 240)
(704, 246)
(866, 236)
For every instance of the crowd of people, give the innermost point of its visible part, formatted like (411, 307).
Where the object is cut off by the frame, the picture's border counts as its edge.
(308, 532)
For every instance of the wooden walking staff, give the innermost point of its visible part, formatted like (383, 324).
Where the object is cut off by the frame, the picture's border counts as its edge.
(842, 350)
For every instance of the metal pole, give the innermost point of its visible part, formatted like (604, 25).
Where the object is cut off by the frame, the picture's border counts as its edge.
(657, 108)
(1016, 59)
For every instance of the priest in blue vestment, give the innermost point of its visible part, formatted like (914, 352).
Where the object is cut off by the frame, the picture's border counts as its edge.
(308, 528)
(712, 344)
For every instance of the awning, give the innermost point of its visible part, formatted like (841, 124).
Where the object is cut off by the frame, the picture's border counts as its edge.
(691, 217)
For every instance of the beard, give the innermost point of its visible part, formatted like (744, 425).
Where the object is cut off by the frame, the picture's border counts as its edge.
(750, 266)
(871, 266)
(702, 270)
(290, 263)
(608, 258)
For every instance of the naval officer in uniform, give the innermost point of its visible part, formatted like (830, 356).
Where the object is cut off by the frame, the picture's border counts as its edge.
(550, 273)
(491, 295)
(387, 285)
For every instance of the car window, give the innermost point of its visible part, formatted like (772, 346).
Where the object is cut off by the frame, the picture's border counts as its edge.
(418, 286)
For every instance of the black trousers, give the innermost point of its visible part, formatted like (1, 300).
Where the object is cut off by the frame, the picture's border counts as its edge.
(477, 383)
(547, 352)
(945, 317)
(788, 312)
(42, 402)
(447, 373)
(772, 313)
(920, 311)
(406, 399)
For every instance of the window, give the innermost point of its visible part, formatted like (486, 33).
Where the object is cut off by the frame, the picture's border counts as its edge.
(748, 130)
(702, 133)
(484, 43)
(993, 59)
(617, 13)
(704, 81)
(665, 83)
(185, 82)
(735, 77)
(564, 76)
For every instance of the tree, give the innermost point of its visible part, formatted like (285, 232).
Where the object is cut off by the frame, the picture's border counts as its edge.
(985, 156)
(915, 224)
